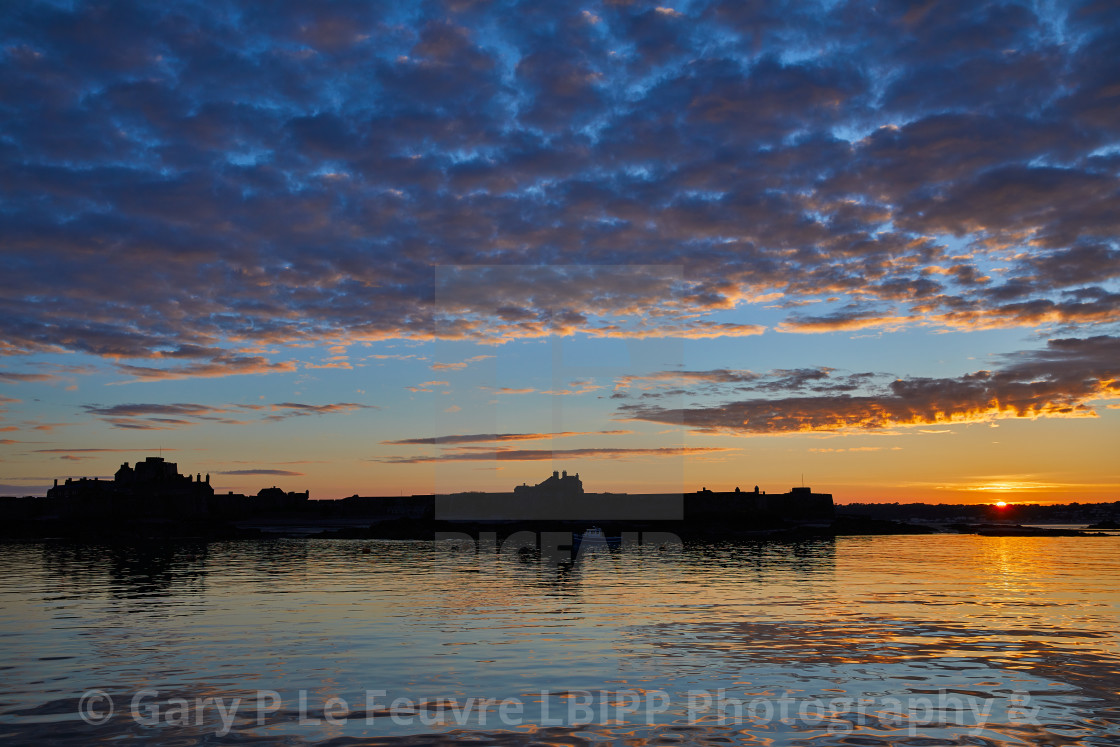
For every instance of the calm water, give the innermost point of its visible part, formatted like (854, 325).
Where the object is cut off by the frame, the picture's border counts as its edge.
(864, 641)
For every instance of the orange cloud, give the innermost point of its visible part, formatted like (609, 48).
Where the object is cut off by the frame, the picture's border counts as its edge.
(336, 364)
(498, 437)
(460, 365)
(535, 455)
(694, 330)
(1059, 381)
(841, 322)
(274, 472)
(575, 388)
(219, 366)
(425, 386)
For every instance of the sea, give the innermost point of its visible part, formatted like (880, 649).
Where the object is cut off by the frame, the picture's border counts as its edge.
(940, 639)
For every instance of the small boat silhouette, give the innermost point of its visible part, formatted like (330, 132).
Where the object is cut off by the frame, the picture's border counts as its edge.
(594, 537)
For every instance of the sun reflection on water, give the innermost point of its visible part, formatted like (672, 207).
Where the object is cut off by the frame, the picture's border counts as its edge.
(988, 618)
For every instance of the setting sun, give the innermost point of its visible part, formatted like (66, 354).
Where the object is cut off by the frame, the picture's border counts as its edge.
(1001, 504)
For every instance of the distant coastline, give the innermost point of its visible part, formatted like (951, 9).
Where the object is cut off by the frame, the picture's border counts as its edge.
(153, 499)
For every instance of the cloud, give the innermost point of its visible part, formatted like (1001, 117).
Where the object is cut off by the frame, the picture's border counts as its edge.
(715, 376)
(499, 437)
(840, 321)
(132, 410)
(459, 365)
(286, 410)
(36, 425)
(73, 451)
(17, 378)
(333, 364)
(691, 330)
(305, 409)
(216, 367)
(1062, 380)
(531, 455)
(818, 379)
(425, 387)
(574, 388)
(154, 424)
(276, 472)
(184, 186)
(160, 416)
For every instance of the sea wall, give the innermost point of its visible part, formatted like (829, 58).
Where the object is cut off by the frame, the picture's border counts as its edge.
(585, 507)
(797, 505)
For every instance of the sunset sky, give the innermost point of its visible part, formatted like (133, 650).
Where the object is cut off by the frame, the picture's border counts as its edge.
(374, 248)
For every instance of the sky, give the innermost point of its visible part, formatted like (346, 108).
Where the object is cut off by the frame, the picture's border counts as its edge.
(383, 248)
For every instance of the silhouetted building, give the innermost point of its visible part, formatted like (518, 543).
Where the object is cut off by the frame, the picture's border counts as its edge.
(154, 490)
(799, 503)
(151, 476)
(155, 473)
(557, 486)
(562, 498)
(153, 487)
(275, 499)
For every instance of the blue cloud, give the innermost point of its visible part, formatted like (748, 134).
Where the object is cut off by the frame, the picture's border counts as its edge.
(194, 181)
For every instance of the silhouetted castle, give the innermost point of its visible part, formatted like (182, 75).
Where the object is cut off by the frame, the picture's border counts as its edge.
(561, 498)
(557, 486)
(153, 476)
(155, 489)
